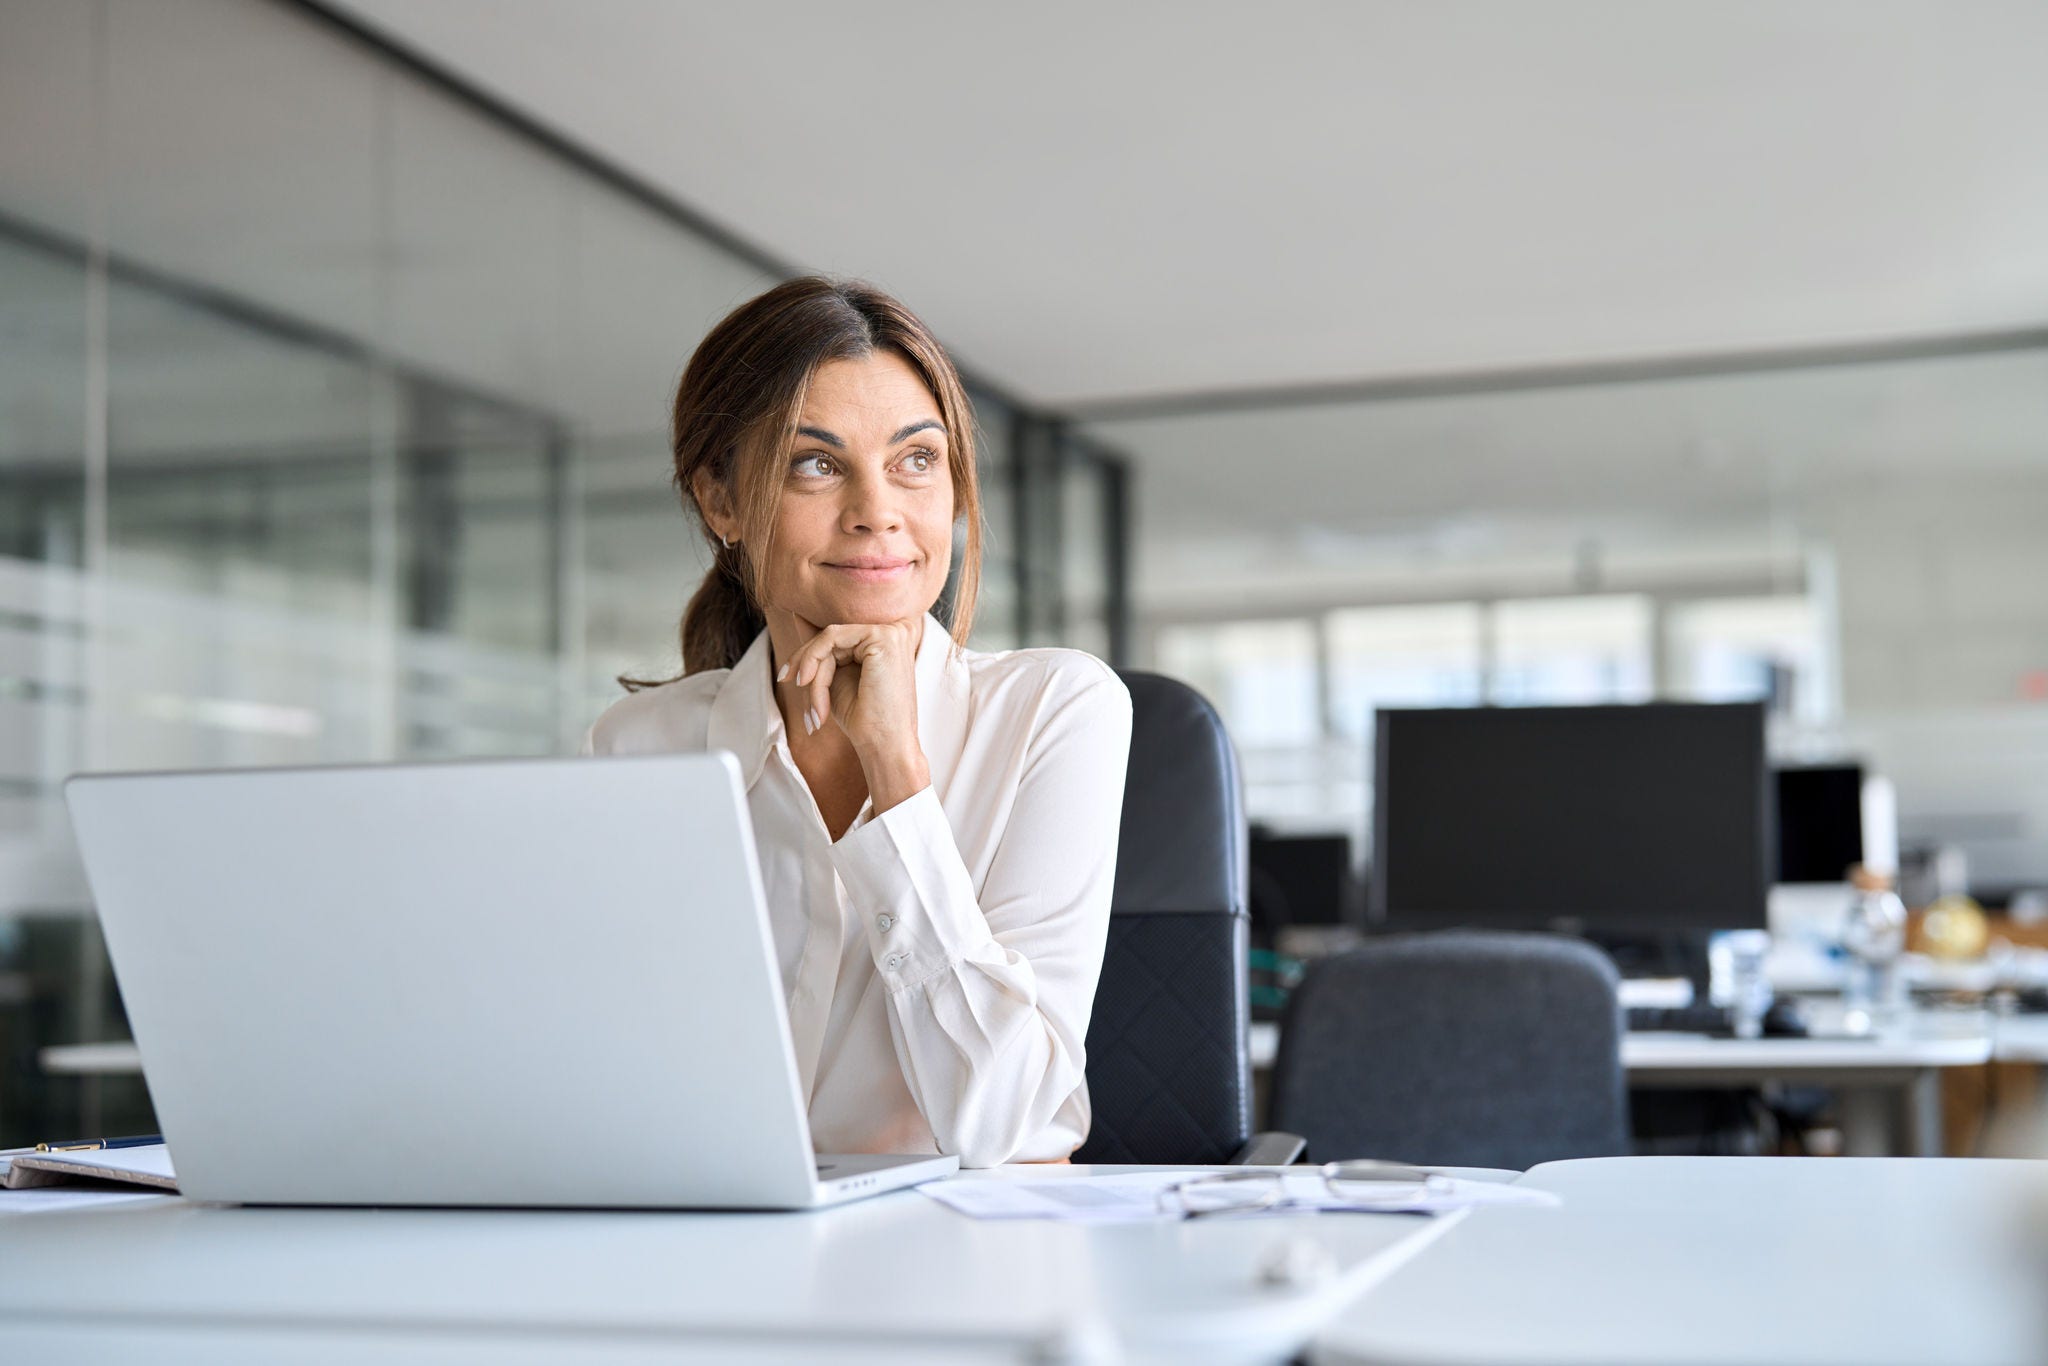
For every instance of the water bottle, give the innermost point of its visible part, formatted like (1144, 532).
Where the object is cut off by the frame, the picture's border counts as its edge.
(1873, 935)
(1738, 979)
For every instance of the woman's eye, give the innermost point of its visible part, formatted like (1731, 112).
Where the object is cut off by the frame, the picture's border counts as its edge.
(921, 462)
(811, 466)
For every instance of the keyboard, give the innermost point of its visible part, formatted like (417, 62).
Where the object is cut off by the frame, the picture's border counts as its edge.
(1781, 1021)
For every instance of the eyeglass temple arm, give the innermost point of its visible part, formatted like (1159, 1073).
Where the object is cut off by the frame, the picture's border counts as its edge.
(1270, 1149)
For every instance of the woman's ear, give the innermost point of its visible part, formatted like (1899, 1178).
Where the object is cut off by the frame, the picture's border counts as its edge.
(713, 505)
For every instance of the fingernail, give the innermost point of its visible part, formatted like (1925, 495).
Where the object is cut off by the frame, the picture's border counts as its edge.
(782, 673)
(810, 720)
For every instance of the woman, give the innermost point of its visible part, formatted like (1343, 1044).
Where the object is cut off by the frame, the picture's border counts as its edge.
(937, 826)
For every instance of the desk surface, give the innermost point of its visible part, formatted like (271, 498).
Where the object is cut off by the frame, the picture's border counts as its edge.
(2020, 1038)
(1801, 1261)
(898, 1275)
(1796, 1261)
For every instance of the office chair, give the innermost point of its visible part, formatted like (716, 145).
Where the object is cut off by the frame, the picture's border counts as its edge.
(1169, 1061)
(1456, 1049)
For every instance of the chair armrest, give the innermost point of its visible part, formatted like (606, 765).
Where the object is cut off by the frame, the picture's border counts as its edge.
(1270, 1149)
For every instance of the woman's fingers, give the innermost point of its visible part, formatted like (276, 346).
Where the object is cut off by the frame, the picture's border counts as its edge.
(820, 661)
(813, 667)
(821, 690)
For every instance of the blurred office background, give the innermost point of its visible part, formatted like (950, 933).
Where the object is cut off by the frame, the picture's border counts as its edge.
(1328, 358)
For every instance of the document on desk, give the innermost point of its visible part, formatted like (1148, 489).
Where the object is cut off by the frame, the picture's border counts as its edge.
(1141, 1196)
(144, 1166)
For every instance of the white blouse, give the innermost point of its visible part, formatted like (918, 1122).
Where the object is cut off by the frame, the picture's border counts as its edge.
(939, 960)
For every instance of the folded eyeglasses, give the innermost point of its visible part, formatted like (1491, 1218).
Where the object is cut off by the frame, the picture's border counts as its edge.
(1361, 1185)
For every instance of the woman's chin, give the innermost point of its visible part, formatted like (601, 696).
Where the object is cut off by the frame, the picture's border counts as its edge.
(869, 606)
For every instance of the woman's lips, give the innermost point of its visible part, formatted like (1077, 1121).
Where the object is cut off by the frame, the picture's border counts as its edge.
(871, 568)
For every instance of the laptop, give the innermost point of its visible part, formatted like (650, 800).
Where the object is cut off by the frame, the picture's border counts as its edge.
(510, 982)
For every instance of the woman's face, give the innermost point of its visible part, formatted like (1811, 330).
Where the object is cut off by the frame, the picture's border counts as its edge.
(864, 531)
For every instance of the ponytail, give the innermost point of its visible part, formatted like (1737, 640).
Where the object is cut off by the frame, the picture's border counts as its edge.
(719, 623)
(722, 618)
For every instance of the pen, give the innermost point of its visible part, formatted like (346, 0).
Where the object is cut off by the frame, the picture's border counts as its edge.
(87, 1145)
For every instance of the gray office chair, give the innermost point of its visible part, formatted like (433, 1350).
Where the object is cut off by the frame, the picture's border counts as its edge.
(1456, 1049)
(1169, 1060)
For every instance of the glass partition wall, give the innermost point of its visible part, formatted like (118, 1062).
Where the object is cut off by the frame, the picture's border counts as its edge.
(332, 410)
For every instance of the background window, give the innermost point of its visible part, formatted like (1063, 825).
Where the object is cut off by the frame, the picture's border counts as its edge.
(1560, 651)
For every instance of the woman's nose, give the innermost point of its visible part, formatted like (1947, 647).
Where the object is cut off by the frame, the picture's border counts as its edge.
(870, 508)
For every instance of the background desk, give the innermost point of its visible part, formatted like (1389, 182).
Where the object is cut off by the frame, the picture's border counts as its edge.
(2020, 1038)
(894, 1278)
(1890, 1086)
(1795, 1261)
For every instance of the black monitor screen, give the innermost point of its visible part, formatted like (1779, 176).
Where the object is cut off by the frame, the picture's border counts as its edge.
(1623, 818)
(1300, 879)
(1820, 822)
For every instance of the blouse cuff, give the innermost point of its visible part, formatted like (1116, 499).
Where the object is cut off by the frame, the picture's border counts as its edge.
(904, 875)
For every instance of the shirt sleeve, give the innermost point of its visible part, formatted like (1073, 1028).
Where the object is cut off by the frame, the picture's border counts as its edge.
(989, 995)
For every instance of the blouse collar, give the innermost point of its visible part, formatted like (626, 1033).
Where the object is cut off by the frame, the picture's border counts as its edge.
(745, 719)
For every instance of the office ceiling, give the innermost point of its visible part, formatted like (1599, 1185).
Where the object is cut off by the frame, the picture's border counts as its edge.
(1119, 212)
(1128, 212)
(1095, 203)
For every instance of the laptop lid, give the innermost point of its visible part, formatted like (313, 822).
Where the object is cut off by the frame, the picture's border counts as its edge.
(500, 982)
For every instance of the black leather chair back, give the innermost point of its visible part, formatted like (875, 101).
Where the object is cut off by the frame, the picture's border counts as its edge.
(1169, 1066)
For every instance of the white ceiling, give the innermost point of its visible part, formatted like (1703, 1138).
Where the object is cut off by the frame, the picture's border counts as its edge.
(1095, 201)
(1097, 205)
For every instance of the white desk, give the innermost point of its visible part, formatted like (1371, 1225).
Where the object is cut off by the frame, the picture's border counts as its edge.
(1793, 1261)
(1799, 1261)
(2020, 1038)
(898, 1277)
(1890, 1085)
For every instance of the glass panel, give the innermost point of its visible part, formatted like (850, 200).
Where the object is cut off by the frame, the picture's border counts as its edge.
(240, 616)
(642, 559)
(42, 483)
(1084, 577)
(995, 612)
(646, 294)
(53, 985)
(477, 504)
(386, 391)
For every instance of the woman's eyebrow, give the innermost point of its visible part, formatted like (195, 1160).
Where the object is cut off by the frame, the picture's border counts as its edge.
(820, 434)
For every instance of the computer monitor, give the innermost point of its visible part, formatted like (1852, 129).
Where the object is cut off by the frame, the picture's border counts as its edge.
(1300, 879)
(1820, 822)
(1634, 820)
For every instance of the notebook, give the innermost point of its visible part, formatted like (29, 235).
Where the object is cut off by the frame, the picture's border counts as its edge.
(148, 1166)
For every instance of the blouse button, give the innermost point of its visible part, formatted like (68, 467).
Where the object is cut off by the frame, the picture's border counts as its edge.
(884, 921)
(895, 960)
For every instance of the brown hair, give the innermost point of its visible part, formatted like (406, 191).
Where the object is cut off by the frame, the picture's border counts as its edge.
(736, 413)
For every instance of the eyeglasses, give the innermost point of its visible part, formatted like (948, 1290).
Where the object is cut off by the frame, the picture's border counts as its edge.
(1350, 1185)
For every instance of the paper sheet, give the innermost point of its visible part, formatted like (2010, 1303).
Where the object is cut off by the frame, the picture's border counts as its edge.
(110, 1164)
(71, 1197)
(1135, 1197)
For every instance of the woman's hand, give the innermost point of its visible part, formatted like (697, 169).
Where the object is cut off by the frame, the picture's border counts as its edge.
(863, 677)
